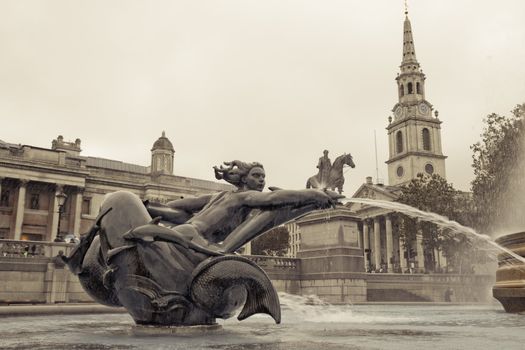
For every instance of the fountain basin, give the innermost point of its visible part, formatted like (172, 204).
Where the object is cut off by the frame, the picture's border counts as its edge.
(509, 289)
(303, 327)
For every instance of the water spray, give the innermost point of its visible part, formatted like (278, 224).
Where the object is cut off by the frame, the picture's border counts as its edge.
(434, 218)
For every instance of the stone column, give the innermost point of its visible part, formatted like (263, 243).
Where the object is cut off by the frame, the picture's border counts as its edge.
(442, 259)
(20, 207)
(402, 260)
(366, 243)
(53, 213)
(420, 251)
(377, 243)
(389, 244)
(75, 212)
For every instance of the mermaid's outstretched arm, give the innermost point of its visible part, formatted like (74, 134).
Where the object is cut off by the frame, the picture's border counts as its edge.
(290, 198)
(298, 204)
(259, 223)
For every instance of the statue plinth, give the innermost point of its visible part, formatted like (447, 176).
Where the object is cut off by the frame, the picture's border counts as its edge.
(330, 242)
(510, 276)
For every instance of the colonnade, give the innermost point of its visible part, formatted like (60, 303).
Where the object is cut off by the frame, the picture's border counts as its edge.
(19, 207)
(384, 251)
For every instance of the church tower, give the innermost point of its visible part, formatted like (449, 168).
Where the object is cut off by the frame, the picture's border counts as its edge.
(414, 134)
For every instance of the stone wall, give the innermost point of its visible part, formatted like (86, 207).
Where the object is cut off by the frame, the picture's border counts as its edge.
(429, 287)
(38, 281)
(336, 290)
(29, 275)
(34, 278)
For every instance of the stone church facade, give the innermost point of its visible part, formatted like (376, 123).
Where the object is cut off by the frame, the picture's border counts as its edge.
(414, 139)
(31, 177)
(414, 134)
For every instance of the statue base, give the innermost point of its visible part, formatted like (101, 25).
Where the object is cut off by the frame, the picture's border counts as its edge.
(150, 330)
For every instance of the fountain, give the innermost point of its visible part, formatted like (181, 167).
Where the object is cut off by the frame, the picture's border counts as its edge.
(510, 276)
(174, 265)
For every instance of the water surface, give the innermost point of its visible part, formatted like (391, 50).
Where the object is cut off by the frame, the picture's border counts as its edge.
(304, 327)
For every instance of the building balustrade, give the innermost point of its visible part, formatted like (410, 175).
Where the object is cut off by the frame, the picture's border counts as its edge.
(274, 263)
(31, 249)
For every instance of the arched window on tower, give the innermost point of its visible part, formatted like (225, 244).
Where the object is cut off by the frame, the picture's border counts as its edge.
(401, 90)
(418, 88)
(410, 89)
(426, 139)
(399, 142)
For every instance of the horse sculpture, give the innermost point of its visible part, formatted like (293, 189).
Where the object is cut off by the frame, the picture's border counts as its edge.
(335, 177)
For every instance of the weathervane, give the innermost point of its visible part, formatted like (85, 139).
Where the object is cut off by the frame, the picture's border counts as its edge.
(406, 8)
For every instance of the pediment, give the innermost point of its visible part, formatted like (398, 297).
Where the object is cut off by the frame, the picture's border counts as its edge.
(386, 193)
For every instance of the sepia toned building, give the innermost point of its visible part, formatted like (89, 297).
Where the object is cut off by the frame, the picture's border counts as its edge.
(32, 177)
(414, 139)
(414, 134)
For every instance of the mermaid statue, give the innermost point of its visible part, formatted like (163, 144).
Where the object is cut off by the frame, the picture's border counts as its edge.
(176, 264)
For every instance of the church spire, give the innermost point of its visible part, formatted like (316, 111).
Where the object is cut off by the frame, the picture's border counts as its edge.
(414, 134)
(411, 79)
(409, 51)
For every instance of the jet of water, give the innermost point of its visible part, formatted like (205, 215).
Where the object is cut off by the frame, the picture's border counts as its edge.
(434, 218)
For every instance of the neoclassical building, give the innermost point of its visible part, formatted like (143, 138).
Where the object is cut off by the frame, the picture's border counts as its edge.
(32, 177)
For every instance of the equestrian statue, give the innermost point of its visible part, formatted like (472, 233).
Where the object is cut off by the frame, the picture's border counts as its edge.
(330, 175)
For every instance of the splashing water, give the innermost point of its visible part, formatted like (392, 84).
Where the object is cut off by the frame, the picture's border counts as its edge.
(311, 308)
(434, 218)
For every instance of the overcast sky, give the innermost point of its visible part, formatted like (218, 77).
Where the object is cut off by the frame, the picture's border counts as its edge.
(270, 81)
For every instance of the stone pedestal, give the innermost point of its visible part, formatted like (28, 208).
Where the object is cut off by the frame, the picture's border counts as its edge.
(330, 242)
(332, 256)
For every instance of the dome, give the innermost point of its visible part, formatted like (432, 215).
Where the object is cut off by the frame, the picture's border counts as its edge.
(163, 143)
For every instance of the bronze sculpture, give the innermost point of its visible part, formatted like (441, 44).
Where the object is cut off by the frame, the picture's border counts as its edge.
(324, 165)
(179, 268)
(331, 177)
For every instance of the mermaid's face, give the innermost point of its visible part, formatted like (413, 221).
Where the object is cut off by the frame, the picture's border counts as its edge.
(255, 180)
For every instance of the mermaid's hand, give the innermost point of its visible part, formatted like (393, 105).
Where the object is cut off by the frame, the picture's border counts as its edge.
(334, 197)
(328, 198)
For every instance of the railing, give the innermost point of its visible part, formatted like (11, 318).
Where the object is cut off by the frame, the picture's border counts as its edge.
(31, 249)
(428, 278)
(275, 266)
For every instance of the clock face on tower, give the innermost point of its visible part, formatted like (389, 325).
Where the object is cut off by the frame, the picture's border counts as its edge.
(398, 112)
(423, 108)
